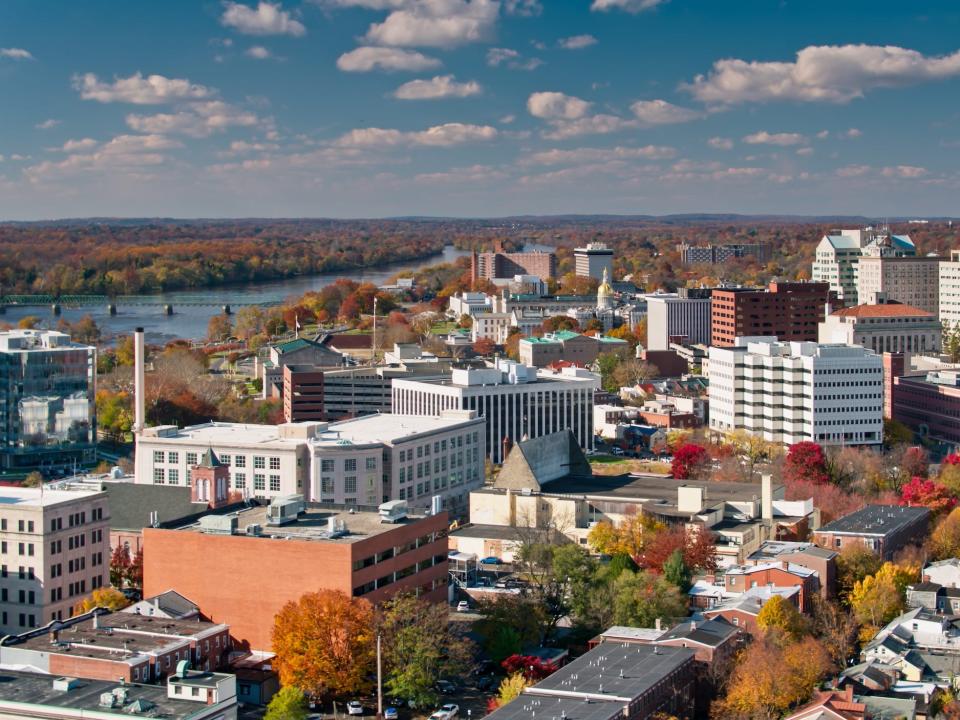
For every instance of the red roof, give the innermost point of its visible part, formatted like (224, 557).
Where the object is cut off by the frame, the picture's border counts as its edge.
(887, 310)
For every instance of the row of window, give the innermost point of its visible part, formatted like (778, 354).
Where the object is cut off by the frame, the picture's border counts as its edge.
(260, 462)
(439, 446)
(393, 552)
(391, 578)
(349, 464)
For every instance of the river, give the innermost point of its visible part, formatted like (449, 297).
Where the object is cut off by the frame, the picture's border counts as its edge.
(191, 321)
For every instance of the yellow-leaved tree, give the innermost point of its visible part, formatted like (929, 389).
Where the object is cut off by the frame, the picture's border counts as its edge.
(879, 598)
(106, 597)
(630, 537)
(781, 615)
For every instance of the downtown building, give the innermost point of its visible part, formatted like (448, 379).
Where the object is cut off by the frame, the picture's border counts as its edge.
(516, 402)
(48, 417)
(716, 254)
(888, 327)
(790, 311)
(838, 257)
(797, 391)
(950, 290)
(505, 266)
(592, 260)
(683, 317)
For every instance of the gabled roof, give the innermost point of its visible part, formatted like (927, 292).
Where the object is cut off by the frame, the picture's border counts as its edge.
(712, 633)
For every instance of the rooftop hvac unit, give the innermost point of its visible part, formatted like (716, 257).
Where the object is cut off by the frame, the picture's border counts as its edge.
(218, 524)
(284, 510)
(436, 505)
(107, 700)
(393, 511)
(63, 684)
(255, 529)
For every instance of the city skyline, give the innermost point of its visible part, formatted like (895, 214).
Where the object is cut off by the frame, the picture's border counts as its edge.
(477, 108)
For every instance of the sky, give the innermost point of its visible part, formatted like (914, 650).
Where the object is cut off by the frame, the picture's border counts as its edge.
(478, 108)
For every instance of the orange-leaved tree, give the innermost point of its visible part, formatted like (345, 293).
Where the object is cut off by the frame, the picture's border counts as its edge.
(324, 643)
(107, 597)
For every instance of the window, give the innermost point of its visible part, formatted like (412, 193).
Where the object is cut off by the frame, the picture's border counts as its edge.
(275, 483)
(239, 481)
(173, 457)
(191, 459)
(159, 476)
(157, 458)
(350, 484)
(350, 465)
(259, 481)
(371, 463)
(225, 459)
(241, 461)
(326, 465)
(326, 485)
(30, 526)
(274, 463)
(173, 476)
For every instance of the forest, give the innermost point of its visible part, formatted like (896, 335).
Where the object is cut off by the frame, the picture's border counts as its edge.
(127, 257)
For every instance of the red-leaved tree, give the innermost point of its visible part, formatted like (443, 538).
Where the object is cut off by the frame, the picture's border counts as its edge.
(697, 548)
(532, 667)
(687, 460)
(833, 501)
(927, 493)
(806, 461)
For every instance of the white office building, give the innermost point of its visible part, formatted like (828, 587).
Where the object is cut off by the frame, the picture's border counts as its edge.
(838, 257)
(909, 280)
(788, 392)
(950, 289)
(685, 316)
(890, 327)
(592, 260)
(363, 461)
(516, 401)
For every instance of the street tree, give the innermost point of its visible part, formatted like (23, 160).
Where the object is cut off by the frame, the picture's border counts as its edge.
(779, 615)
(640, 598)
(288, 704)
(107, 597)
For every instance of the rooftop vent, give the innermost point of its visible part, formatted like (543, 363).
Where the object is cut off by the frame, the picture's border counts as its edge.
(218, 524)
(63, 684)
(393, 511)
(255, 529)
(284, 510)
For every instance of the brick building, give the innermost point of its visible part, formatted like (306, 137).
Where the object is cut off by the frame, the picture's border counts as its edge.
(885, 529)
(499, 265)
(804, 554)
(109, 646)
(788, 311)
(243, 569)
(303, 393)
(928, 403)
(779, 574)
(742, 610)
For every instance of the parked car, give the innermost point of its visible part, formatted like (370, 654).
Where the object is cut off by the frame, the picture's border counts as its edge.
(354, 707)
(390, 713)
(446, 712)
(492, 560)
(617, 451)
(487, 682)
(463, 606)
(446, 687)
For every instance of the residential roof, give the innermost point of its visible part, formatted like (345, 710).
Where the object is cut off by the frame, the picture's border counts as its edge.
(626, 632)
(131, 504)
(504, 532)
(791, 568)
(712, 633)
(880, 520)
(771, 549)
(170, 603)
(886, 310)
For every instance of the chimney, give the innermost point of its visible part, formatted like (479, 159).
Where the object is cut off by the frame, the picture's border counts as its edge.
(766, 497)
(96, 620)
(139, 400)
(658, 624)
(785, 564)
(507, 446)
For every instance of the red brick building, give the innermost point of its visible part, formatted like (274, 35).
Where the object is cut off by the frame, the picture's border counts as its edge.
(241, 571)
(503, 265)
(928, 403)
(790, 311)
(303, 393)
(779, 574)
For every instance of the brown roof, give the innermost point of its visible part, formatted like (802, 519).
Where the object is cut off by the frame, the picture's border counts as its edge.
(891, 310)
(350, 342)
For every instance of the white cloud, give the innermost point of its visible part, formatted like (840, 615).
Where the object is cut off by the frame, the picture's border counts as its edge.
(576, 42)
(514, 60)
(365, 59)
(507, 119)
(805, 151)
(47, 124)
(198, 120)
(437, 23)
(258, 52)
(124, 153)
(720, 143)
(472, 175)
(630, 6)
(441, 86)
(446, 135)
(853, 133)
(596, 155)
(781, 139)
(139, 90)
(824, 73)
(15, 54)
(71, 146)
(591, 125)
(266, 19)
(524, 8)
(660, 112)
(854, 170)
(904, 171)
(823, 135)
(556, 106)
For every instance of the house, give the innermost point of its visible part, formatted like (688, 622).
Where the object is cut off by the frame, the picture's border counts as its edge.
(943, 572)
(885, 529)
(779, 574)
(832, 705)
(170, 604)
(934, 596)
(742, 611)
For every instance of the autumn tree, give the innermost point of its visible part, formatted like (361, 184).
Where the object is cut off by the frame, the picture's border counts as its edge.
(697, 549)
(855, 562)
(779, 615)
(219, 328)
(289, 703)
(119, 565)
(689, 461)
(929, 494)
(633, 372)
(835, 626)
(106, 597)
(944, 541)
(420, 646)
(879, 598)
(135, 571)
(324, 643)
(630, 537)
(484, 347)
(640, 598)
(806, 461)
(510, 689)
(34, 478)
(751, 451)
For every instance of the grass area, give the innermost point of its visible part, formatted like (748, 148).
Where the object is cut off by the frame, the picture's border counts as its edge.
(613, 465)
(443, 328)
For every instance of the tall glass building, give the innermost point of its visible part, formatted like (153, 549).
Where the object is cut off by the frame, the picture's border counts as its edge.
(47, 407)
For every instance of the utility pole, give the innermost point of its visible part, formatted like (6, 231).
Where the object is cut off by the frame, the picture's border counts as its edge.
(379, 675)
(373, 354)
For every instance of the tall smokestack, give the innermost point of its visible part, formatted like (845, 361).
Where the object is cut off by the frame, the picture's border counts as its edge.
(139, 401)
(766, 497)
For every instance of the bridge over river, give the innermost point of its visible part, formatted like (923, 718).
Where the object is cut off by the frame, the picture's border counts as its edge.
(56, 303)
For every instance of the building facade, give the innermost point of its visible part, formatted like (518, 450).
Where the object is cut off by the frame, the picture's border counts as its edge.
(928, 404)
(838, 256)
(950, 290)
(592, 260)
(55, 548)
(499, 265)
(715, 254)
(244, 571)
(885, 529)
(48, 416)
(790, 311)
(890, 327)
(683, 318)
(792, 392)
(568, 346)
(909, 280)
(515, 401)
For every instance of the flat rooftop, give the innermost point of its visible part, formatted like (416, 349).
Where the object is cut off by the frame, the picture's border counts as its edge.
(390, 428)
(358, 523)
(84, 696)
(32, 497)
(876, 520)
(223, 434)
(119, 637)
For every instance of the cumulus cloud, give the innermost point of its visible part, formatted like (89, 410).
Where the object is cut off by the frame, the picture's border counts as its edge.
(266, 19)
(782, 139)
(512, 59)
(904, 171)
(821, 73)
(139, 90)
(71, 146)
(258, 52)
(853, 133)
(660, 112)
(198, 120)
(630, 6)
(436, 23)
(805, 151)
(556, 106)
(365, 59)
(907, 172)
(15, 54)
(597, 155)
(47, 124)
(591, 125)
(720, 143)
(524, 8)
(576, 42)
(446, 135)
(124, 153)
(441, 86)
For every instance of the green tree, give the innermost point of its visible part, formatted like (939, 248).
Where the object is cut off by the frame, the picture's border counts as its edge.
(640, 598)
(606, 365)
(507, 624)
(34, 479)
(288, 704)
(420, 646)
(675, 570)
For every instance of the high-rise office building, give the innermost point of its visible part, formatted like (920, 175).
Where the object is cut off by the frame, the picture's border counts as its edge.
(791, 311)
(838, 257)
(592, 259)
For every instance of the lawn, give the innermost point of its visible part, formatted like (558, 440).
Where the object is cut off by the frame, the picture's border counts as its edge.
(613, 465)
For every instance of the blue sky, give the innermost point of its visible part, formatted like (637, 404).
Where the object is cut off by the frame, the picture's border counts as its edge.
(361, 108)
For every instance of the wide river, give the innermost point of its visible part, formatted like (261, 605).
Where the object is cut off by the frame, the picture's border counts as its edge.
(191, 321)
